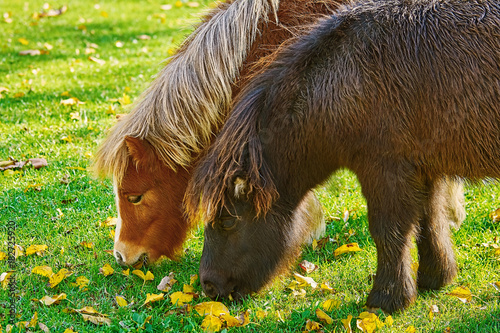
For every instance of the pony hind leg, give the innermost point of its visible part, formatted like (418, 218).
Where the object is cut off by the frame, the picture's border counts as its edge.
(311, 210)
(394, 200)
(455, 203)
(437, 266)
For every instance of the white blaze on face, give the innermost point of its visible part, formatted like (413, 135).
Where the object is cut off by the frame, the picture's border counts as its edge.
(118, 219)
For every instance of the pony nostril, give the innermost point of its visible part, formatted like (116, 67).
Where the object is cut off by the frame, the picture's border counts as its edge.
(210, 289)
(119, 258)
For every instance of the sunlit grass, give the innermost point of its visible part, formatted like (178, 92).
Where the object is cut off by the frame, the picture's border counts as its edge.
(68, 205)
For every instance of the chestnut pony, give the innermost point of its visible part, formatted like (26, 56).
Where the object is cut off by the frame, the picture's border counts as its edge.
(150, 152)
(405, 93)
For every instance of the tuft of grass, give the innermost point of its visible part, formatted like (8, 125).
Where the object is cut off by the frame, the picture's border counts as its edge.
(61, 205)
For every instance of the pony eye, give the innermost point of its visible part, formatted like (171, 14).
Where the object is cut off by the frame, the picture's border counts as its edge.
(228, 224)
(135, 199)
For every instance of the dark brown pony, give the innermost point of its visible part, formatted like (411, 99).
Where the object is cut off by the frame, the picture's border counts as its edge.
(405, 93)
(150, 152)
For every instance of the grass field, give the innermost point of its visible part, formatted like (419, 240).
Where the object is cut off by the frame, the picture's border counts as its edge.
(63, 206)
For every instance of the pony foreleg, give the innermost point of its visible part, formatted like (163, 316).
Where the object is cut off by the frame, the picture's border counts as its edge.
(437, 266)
(312, 212)
(394, 202)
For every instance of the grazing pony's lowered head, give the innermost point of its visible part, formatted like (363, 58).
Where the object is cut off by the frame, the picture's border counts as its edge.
(149, 198)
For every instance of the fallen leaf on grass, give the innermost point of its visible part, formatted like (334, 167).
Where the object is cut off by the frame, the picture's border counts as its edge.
(56, 299)
(121, 301)
(462, 293)
(347, 323)
(312, 325)
(213, 308)
(187, 289)
(81, 282)
(38, 249)
(55, 279)
(125, 271)
(106, 270)
(69, 330)
(211, 324)
(179, 298)
(97, 320)
(389, 321)
(109, 222)
(148, 277)
(150, 298)
(3, 255)
(193, 278)
(18, 251)
(330, 304)
(305, 281)
(167, 282)
(496, 285)
(43, 271)
(411, 329)
(97, 60)
(4, 279)
(368, 322)
(353, 247)
(322, 316)
(53, 12)
(495, 215)
(86, 244)
(71, 101)
(33, 52)
(23, 41)
(37, 163)
(307, 266)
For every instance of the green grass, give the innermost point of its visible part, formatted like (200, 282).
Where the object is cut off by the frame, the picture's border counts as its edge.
(63, 214)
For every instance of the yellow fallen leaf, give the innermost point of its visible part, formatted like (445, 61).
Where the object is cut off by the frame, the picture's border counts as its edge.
(213, 308)
(55, 279)
(193, 279)
(4, 279)
(126, 272)
(312, 325)
(69, 330)
(86, 244)
(150, 298)
(47, 300)
(97, 60)
(81, 282)
(495, 215)
(261, 314)
(110, 221)
(187, 288)
(179, 298)
(125, 100)
(462, 293)
(496, 285)
(104, 14)
(411, 329)
(211, 324)
(331, 304)
(244, 318)
(347, 323)
(97, 320)
(148, 277)
(71, 101)
(106, 270)
(19, 94)
(18, 251)
(299, 293)
(34, 320)
(121, 301)
(314, 244)
(353, 247)
(305, 281)
(326, 287)
(23, 41)
(178, 4)
(38, 249)
(389, 321)
(86, 310)
(322, 316)
(43, 271)
(3, 255)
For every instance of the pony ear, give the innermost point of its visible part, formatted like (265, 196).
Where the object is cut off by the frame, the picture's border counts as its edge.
(140, 150)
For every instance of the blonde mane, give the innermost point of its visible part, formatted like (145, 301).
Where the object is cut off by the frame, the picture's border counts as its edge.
(187, 103)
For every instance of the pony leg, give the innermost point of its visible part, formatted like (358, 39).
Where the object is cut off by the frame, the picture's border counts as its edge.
(394, 208)
(437, 266)
(455, 201)
(312, 212)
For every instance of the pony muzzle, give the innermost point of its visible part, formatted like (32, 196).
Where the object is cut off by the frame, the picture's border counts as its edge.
(124, 258)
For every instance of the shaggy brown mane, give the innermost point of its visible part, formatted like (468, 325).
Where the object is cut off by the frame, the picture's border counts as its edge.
(238, 148)
(185, 105)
